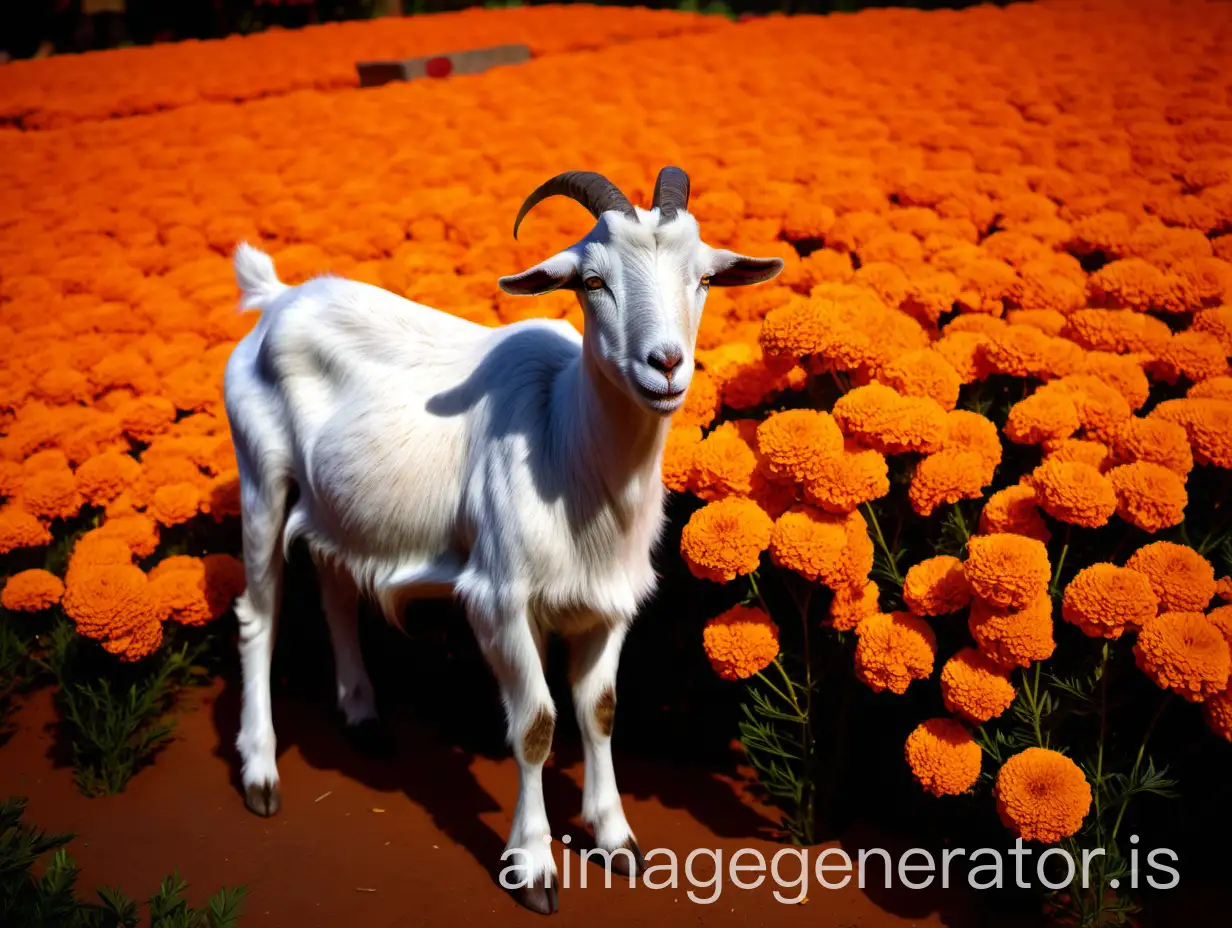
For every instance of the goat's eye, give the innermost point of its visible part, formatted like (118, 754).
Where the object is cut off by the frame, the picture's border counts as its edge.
(594, 283)
(705, 280)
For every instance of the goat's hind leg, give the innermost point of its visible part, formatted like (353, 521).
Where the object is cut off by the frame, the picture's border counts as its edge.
(356, 697)
(263, 510)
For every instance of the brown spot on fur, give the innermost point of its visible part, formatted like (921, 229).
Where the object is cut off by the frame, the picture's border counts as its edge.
(537, 741)
(605, 712)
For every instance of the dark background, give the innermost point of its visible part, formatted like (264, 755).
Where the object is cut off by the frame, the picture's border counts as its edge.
(59, 25)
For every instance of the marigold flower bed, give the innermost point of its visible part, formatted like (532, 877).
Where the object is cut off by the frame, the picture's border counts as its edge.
(990, 388)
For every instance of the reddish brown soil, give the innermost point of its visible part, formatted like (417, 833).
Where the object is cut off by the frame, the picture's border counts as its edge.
(409, 841)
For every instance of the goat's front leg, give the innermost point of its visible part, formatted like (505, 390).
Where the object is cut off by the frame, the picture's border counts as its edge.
(515, 651)
(594, 658)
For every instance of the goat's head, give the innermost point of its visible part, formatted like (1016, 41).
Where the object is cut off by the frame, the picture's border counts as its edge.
(642, 277)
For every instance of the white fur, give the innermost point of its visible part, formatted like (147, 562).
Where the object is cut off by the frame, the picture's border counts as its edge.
(516, 468)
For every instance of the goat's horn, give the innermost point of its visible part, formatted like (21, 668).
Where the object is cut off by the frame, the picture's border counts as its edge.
(671, 193)
(594, 191)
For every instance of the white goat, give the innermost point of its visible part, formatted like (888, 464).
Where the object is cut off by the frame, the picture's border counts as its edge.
(514, 467)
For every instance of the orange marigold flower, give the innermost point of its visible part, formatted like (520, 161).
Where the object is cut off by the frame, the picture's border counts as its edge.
(1010, 571)
(1217, 710)
(725, 539)
(1073, 492)
(1014, 511)
(1025, 351)
(105, 476)
(145, 417)
(965, 353)
(19, 529)
(740, 642)
(1130, 283)
(854, 476)
(1149, 495)
(114, 605)
(142, 641)
(1186, 653)
(12, 476)
(943, 757)
(853, 604)
(1216, 322)
(1083, 450)
(701, 403)
(1221, 618)
(1104, 600)
(1213, 388)
(883, 419)
(893, 650)
(31, 591)
(1207, 422)
(970, 431)
(1013, 638)
(1099, 405)
(175, 503)
(1193, 355)
(1048, 414)
(795, 443)
(812, 543)
(94, 549)
(975, 687)
(194, 591)
(1155, 441)
(1122, 372)
(51, 494)
(139, 532)
(1182, 578)
(924, 373)
(946, 477)
(724, 464)
(1120, 331)
(937, 586)
(678, 452)
(1042, 795)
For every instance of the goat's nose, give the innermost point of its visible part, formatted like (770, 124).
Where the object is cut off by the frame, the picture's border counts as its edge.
(665, 360)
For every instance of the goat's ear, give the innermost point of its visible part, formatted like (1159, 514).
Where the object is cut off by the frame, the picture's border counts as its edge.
(557, 272)
(728, 269)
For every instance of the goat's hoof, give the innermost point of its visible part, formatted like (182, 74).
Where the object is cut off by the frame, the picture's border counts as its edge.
(620, 862)
(371, 738)
(540, 896)
(263, 798)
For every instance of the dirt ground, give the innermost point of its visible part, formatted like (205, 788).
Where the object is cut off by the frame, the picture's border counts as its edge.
(416, 839)
(413, 840)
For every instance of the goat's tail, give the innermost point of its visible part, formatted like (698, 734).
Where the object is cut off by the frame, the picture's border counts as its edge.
(254, 271)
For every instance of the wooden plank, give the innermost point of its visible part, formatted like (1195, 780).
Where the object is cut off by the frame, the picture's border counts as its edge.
(446, 64)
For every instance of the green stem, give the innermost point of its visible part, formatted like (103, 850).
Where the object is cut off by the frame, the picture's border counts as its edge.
(757, 592)
(892, 564)
(1099, 764)
(1056, 574)
(1133, 776)
(1031, 692)
(790, 700)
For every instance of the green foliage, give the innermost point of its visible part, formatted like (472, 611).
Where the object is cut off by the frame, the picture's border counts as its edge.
(777, 737)
(51, 901)
(113, 715)
(14, 651)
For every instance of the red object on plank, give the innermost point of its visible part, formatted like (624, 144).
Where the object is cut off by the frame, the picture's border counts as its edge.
(444, 64)
(438, 67)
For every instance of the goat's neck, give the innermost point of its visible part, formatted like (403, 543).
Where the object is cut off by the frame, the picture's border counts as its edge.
(623, 441)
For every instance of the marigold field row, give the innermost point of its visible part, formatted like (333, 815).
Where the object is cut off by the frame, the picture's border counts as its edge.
(47, 93)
